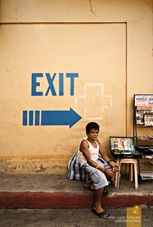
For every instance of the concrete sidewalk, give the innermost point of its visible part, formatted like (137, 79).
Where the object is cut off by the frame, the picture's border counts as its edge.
(71, 218)
(56, 191)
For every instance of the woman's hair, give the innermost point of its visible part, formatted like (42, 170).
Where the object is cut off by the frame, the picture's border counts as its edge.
(92, 125)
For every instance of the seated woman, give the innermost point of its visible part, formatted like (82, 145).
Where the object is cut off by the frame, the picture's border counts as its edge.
(95, 161)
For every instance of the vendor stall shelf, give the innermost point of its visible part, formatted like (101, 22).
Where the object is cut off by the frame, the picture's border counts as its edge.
(143, 132)
(123, 150)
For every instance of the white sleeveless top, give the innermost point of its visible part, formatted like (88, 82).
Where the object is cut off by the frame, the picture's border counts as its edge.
(94, 152)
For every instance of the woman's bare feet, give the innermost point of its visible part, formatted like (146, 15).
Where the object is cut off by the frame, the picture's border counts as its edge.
(98, 208)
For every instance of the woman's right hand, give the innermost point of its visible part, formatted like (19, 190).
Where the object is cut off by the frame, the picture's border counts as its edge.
(109, 172)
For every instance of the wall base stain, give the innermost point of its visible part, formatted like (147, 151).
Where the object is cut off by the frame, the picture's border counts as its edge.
(33, 166)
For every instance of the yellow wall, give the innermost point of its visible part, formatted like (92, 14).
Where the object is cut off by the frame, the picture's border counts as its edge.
(107, 44)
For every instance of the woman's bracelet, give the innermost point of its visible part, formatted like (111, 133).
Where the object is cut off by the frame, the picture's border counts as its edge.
(109, 162)
(97, 166)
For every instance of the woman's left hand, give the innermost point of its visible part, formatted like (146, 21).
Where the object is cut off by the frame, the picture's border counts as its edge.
(114, 165)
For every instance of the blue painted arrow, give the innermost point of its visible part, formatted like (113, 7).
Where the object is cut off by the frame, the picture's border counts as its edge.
(51, 117)
(61, 117)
